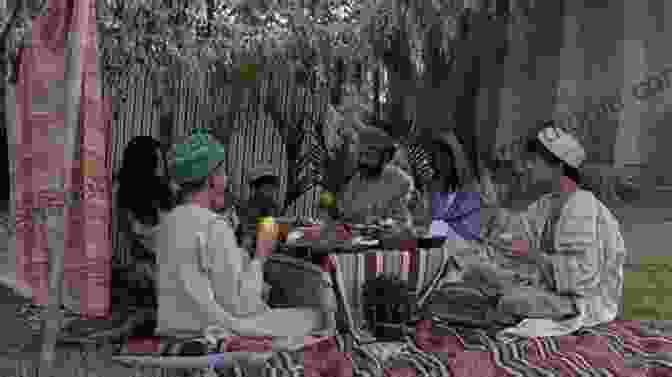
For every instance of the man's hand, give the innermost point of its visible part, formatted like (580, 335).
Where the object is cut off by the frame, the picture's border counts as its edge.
(522, 249)
(266, 292)
(265, 248)
(268, 232)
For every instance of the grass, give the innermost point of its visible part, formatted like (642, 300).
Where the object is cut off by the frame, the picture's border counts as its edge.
(646, 290)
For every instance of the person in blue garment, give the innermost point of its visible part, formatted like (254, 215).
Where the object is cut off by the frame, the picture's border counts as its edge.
(455, 201)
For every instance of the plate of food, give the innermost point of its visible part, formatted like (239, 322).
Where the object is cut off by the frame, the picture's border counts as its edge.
(365, 241)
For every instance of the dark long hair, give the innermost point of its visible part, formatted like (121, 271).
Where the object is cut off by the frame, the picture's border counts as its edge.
(141, 191)
(535, 146)
(454, 177)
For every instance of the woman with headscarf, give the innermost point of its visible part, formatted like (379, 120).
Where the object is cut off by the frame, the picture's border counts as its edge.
(454, 199)
(143, 197)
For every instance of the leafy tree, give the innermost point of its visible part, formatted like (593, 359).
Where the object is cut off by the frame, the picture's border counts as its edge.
(410, 61)
(431, 52)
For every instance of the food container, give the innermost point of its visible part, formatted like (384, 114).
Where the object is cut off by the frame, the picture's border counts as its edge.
(268, 232)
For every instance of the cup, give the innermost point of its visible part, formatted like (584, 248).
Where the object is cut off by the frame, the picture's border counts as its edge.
(283, 231)
(267, 235)
(312, 233)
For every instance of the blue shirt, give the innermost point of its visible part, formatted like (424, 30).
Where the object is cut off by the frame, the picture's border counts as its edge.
(459, 210)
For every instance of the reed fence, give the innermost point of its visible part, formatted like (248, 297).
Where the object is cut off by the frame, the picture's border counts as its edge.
(208, 103)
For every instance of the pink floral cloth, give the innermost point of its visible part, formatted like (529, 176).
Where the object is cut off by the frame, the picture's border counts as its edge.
(50, 185)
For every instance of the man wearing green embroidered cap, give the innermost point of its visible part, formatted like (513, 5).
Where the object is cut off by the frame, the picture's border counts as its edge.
(205, 279)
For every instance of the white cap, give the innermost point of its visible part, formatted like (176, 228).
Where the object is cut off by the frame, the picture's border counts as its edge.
(563, 145)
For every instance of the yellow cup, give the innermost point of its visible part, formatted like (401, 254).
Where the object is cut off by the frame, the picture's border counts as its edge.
(267, 234)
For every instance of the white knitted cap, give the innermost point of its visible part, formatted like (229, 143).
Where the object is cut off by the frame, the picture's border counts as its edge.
(563, 145)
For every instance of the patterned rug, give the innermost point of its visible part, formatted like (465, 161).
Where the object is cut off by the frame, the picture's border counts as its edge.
(617, 349)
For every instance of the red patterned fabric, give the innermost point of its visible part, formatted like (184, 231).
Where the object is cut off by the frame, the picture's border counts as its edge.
(400, 372)
(328, 264)
(312, 233)
(248, 344)
(47, 179)
(150, 345)
(320, 357)
(567, 184)
(324, 359)
(375, 264)
(619, 348)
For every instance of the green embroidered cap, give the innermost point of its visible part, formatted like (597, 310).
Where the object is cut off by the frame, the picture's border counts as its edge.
(196, 157)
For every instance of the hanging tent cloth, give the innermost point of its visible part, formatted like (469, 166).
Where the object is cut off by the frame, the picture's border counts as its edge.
(60, 197)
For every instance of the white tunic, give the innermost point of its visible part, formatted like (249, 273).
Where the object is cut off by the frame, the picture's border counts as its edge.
(206, 281)
(587, 260)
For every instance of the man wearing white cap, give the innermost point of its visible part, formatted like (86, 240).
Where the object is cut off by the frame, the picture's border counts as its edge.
(578, 241)
(572, 238)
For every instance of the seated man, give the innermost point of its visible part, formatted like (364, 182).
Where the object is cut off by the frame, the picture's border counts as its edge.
(575, 244)
(379, 189)
(205, 280)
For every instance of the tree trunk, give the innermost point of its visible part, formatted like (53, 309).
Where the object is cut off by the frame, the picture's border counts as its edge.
(376, 90)
(398, 66)
(466, 82)
(435, 101)
(465, 114)
(479, 75)
(401, 85)
(4, 149)
(492, 72)
(337, 89)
